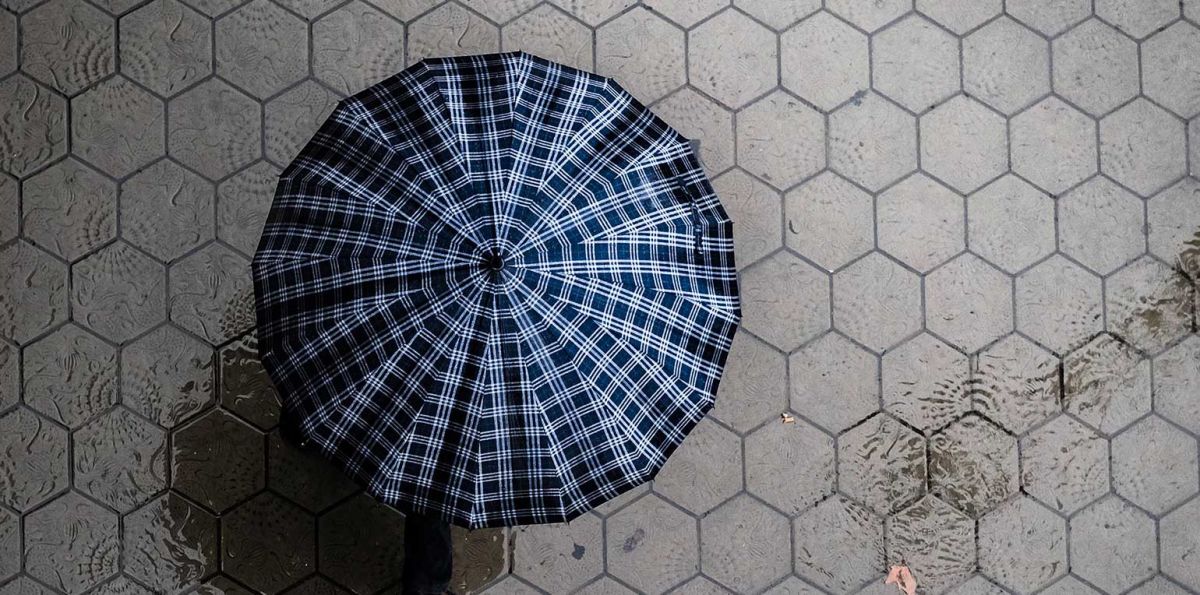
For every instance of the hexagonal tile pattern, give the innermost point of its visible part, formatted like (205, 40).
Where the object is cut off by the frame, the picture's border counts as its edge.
(869, 16)
(1096, 67)
(786, 301)
(704, 471)
(686, 13)
(699, 118)
(35, 467)
(834, 370)
(1016, 384)
(838, 544)
(1069, 585)
(778, 15)
(872, 142)
(925, 382)
(1112, 545)
(915, 63)
(1107, 384)
(1140, 18)
(1022, 545)
(824, 60)
(753, 387)
(877, 302)
(934, 540)
(1064, 464)
(1176, 374)
(117, 126)
(170, 544)
(358, 546)
(1010, 223)
(806, 453)
(500, 12)
(732, 58)
(69, 209)
(1172, 69)
(987, 313)
(755, 209)
(1059, 304)
(921, 222)
(882, 463)
(24, 585)
(780, 140)
(1179, 539)
(356, 46)
(1148, 304)
(977, 585)
(1005, 65)
(166, 210)
(246, 389)
(35, 126)
(744, 545)
(559, 557)
(71, 543)
(1053, 145)
(217, 460)
(304, 477)
(212, 294)
(118, 292)
(293, 117)
(652, 545)
(120, 459)
(261, 48)
(267, 543)
(1174, 219)
(1100, 225)
(642, 51)
(963, 143)
(451, 30)
(1049, 16)
(829, 220)
(551, 33)
(242, 205)
(165, 46)
(593, 13)
(960, 17)
(167, 376)
(1142, 147)
(973, 465)
(215, 129)
(33, 292)
(68, 45)
(1154, 465)
(70, 376)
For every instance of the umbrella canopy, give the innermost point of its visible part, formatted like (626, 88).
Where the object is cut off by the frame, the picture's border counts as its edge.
(496, 289)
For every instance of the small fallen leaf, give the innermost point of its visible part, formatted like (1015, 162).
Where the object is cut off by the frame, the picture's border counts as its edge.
(903, 578)
(787, 418)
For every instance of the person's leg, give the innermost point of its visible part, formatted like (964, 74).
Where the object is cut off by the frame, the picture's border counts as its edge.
(428, 555)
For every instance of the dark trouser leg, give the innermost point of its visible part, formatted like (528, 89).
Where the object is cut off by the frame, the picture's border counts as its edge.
(428, 555)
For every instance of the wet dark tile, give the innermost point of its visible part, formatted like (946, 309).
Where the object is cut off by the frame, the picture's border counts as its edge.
(167, 376)
(478, 558)
(170, 544)
(305, 478)
(268, 543)
(34, 465)
(362, 544)
(10, 545)
(246, 389)
(222, 585)
(71, 544)
(218, 460)
(121, 459)
(317, 585)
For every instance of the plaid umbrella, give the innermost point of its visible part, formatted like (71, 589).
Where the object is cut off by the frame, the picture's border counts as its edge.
(496, 289)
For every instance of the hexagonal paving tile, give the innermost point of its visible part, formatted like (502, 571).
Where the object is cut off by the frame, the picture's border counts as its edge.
(500, 12)
(120, 459)
(652, 545)
(293, 117)
(1139, 18)
(977, 585)
(1101, 225)
(1174, 218)
(1178, 542)
(118, 292)
(704, 471)
(170, 544)
(1053, 145)
(832, 370)
(824, 60)
(925, 382)
(1096, 67)
(9, 372)
(732, 58)
(1016, 384)
(451, 30)
(1010, 223)
(166, 210)
(933, 539)
(8, 208)
(36, 124)
(872, 142)
(1148, 304)
(778, 15)
(482, 556)
(261, 48)
(70, 376)
(36, 464)
(1064, 464)
(217, 460)
(1171, 68)
(699, 118)
(963, 143)
(1006, 65)
(987, 316)
(551, 33)
(780, 140)
(1112, 545)
(786, 301)
(1142, 146)
(317, 585)
(215, 129)
(877, 302)
(70, 209)
(68, 45)
(604, 586)
(1059, 304)
(921, 222)
(1049, 16)
(24, 585)
(804, 451)
(117, 126)
(838, 544)
(829, 220)
(212, 294)
(8, 49)
(744, 545)
(33, 292)
(355, 46)
(973, 465)
(593, 12)
(753, 388)
(559, 557)
(755, 210)
(1022, 545)
(881, 463)
(71, 543)
(304, 477)
(167, 376)
(122, 585)
(1154, 465)
(246, 389)
(1176, 374)
(686, 12)
(960, 17)
(166, 46)
(643, 52)
(242, 205)
(10, 544)
(915, 63)
(1193, 134)
(871, 15)
(1107, 384)
(267, 543)
(1070, 585)
(358, 545)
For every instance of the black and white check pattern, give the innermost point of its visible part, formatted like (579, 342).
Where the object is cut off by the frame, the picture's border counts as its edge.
(496, 289)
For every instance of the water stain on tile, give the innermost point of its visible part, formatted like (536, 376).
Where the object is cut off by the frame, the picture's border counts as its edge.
(478, 558)
(170, 544)
(973, 465)
(246, 389)
(1107, 384)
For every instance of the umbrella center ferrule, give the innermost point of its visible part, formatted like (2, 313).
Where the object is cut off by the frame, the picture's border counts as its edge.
(493, 262)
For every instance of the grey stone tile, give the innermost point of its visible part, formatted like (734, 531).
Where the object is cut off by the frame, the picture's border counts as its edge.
(1059, 304)
(704, 471)
(1172, 67)
(778, 15)
(451, 30)
(24, 585)
(9, 208)
(790, 465)
(212, 294)
(829, 220)
(71, 543)
(960, 17)
(964, 143)
(1176, 376)
(755, 209)
(167, 376)
(1096, 67)
(117, 126)
(356, 46)
(643, 53)
(359, 546)
(593, 12)
(33, 291)
(1069, 585)
(1107, 384)
(921, 222)
(792, 586)
(10, 544)
(934, 540)
(621, 500)
(745, 545)
(834, 371)
(824, 60)
(973, 465)
(36, 124)
(242, 205)
(1112, 545)
(292, 118)
(1022, 545)
(872, 142)
(1005, 65)
(245, 387)
(510, 586)
(872, 15)
(166, 210)
(1064, 464)
(122, 585)
(9, 376)
(120, 459)
(217, 460)
(699, 118)
(303, 477)
(69, 209)
(67, 44)
(605, 586)
(170, 544)
(166, 46)
(1159, 586)
(1010, 223)
(732, 58)
(8, 48)
(882, 464)
(70, 376)
(1049, 16)
(753, 387)
(686, 12)
(214, 129)
(877, 302)
(268, 543)
(1101, 225)
(651, 545)
(552, 34)
(212, 8)
(1053, 145)
(977, 585)
(915, 63)
(968, 303)
(1142, 146)
(786, 301)
(700, 585)
(1154, 465)
(838, 545)
(925, 382)
(500, 11)
(780, 140)
(1179, 539)
(1148, 304)
(1016, 384)
(560, 557)
(35, 466)
(1139, 18)
(261, 48)
(1174, 219)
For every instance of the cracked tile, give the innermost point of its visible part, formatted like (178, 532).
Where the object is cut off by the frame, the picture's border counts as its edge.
(1154, 465)
(877, 302)
(651, 545)
(925, 382)
(69, 209)
(834, 370)
(869, 15)
(1172, 68)
(67, 44)
(261, 48)
(704, 471)
(117, 126)
(1010, 223)
(881, 463)
(212, 294)
(968, 303)
(267, 543)
(824, 60)
(1053, 145)
(755, 209)
(872, 142)
(1138, 18)
(215, 129)
(118, 292)
(780, 140)
(167, 376)
(35, 465)
(170, 544)
(643, 53)
(973, 465)
(1006, 65)
(964, 144)
(551, 33)
(559, 557)
(1096, 67)
(71, 543)
(786, 301)
(1016, 384)
(1179, 539)
(1142, 146)
(358, 545)
(33, 292)
(745, 545)
(921, 222)
(790, 465)
(36, 126)
(915, 63)
(686, 12)
(1148, 304)
(838, 545)
(1101, 225)
(246, 389)
(699, 118)
(934, 540)
(1022, 545)
(120, 459)
(1107, 384)
(217, 460)
(752, 389)
(242, 205)
(451, 30)
(166, 46)
(304, 477)
(1064, 464)
(166, 210)
(1174, 220)
(70, 376)
(1059, 304)
(1176, 376)
(1050, 17)
(829, 220)
(356, 46)
(960, 17)
(732, 58)
(1112, 545)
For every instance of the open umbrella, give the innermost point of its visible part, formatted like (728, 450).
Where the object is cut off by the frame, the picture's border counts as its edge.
(496, 290)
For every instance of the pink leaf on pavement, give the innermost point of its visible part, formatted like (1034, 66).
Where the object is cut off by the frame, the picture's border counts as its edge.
(903, 578)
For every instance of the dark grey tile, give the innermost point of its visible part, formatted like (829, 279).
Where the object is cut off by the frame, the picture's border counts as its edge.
(218, 460)
(362, 544)
(268, 543)
(170, 544)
